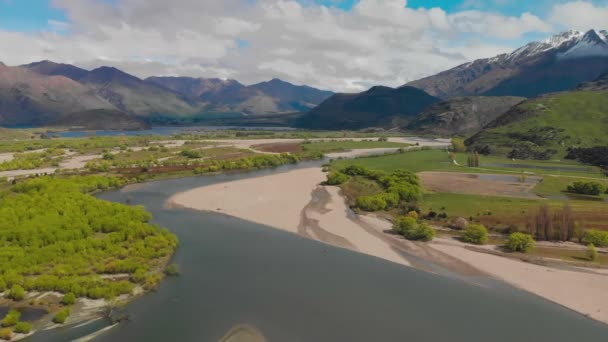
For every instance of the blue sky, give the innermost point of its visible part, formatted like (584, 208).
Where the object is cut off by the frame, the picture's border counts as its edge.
(28, 15)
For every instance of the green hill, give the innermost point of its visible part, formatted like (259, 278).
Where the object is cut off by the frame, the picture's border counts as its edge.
(545, 127)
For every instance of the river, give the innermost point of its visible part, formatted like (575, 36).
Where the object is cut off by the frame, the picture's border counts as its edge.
(293, 289)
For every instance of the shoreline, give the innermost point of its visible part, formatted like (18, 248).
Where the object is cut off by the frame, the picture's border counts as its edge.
(294, 201)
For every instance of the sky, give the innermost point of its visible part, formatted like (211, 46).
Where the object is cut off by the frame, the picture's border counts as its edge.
(340, 45)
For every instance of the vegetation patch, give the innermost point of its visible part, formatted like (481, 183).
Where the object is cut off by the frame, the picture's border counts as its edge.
(56, 237)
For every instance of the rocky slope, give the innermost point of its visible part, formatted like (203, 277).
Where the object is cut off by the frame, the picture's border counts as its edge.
(462, 115)
(559, 63)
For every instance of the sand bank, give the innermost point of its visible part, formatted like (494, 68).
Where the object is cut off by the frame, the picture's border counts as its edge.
(295, 202)
(583, 291)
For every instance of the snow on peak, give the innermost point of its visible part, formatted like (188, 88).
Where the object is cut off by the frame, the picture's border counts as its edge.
(592, 44)
(572, 44)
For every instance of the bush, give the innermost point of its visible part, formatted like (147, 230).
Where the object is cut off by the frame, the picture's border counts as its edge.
(61, 316)
(404, 224)
(23, 328)
(336, 178)
(520, 242)
(458, 145)
(596, 237)
(371, 203)
(6, 334)
(592, 254)
(172, 270)
(68, 299)
(476, 234)
(423, 232)
(586, 188)
(11, 318)
(16, 293)
(391, 199)
(413, 214)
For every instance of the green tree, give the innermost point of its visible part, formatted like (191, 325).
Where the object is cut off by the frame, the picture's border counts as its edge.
(6, 334)
(423, 232)
(596, 237)
(403, 224)
(458, 145)
(16, 293)
(476, 234)
(336, 178)
(520, 242)
(592, 254)
(23, 328)
(68, 299)
(61, 316)
(11, 318)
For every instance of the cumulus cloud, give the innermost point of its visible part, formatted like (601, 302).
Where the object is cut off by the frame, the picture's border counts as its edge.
(377, 42)
(580, 15)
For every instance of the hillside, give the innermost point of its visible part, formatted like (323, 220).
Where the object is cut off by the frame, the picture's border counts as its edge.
(546, 127)
(462, 115)
(377, 107)
(559, 63)
(601, 83)
(100, 119)
(29, 98)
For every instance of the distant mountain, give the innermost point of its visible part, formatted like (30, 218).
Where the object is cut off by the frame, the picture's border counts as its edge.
(462, 115)
(601, 83)
(559, 63)
(126, 92)
(547, 126)
(100, 119)
(29, 98)
(291, 97)
(274, 96)
(378, 107)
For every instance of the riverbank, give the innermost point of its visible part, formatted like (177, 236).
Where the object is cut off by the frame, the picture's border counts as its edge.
(295, 202)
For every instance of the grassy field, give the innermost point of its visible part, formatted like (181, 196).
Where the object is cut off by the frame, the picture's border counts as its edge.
(497, 212)
(340, 146)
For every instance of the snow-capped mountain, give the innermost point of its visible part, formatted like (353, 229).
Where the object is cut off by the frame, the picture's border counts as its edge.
(558, 63)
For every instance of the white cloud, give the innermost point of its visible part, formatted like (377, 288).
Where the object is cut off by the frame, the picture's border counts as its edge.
(378, 42)
(580, 15)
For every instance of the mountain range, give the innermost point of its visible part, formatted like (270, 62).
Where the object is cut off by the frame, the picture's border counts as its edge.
(474, 93)
(559, 63)
(44, 92)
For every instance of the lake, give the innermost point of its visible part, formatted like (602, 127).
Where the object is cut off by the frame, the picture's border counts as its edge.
(164, 131)
(293, 289)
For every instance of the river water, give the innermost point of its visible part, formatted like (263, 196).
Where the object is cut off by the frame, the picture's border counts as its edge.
(292, 289)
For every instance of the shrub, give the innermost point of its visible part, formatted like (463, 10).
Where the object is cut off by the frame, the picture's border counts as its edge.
(16, 293)
(11, 318)
(520, 242)
(336, 178)
(172, 270)
(68, 299)
(413, 214)
(458, 145)
(391, 199)
(404, 224)
(586, 188)
(423, 232)
(476, 234)
(596, 237)
(407, 192)
(592, 254)
(61, 316)
(23, 328)
(460, 223)
(371, 203)
(6, 334)
(190, 154)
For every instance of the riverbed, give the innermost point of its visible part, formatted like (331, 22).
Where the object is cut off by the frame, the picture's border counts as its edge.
(290, 288)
